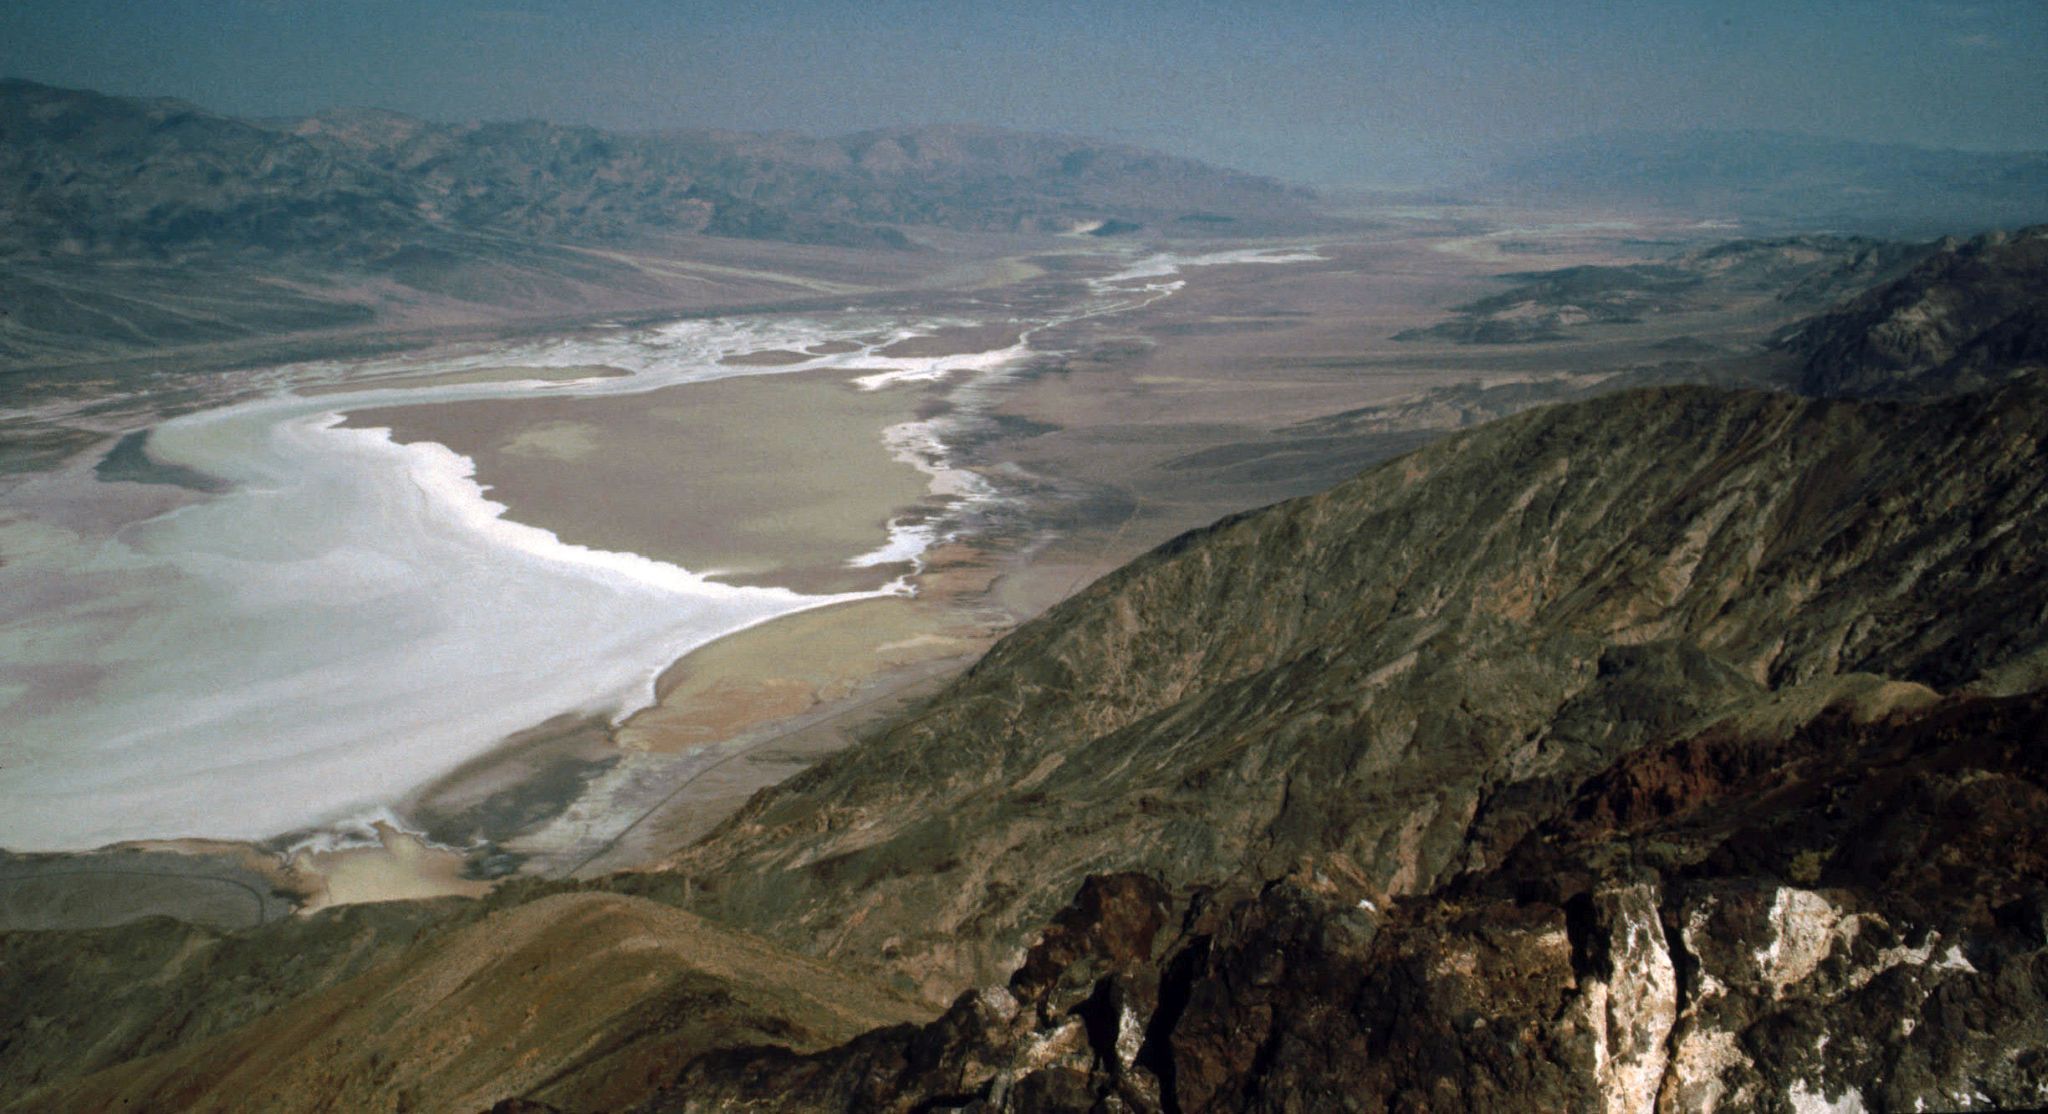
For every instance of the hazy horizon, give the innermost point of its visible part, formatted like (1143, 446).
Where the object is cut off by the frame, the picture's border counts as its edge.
(1327, 94)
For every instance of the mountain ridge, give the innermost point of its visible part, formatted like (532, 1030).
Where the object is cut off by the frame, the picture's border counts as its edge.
(92, 172)
(130, 226)
(1967, 316)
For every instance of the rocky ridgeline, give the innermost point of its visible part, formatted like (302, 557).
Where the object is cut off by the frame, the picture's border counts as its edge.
(1972, 314)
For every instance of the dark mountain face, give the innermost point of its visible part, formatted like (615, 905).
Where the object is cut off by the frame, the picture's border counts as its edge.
(85, 174)
(1892, 189)
(1971, 314)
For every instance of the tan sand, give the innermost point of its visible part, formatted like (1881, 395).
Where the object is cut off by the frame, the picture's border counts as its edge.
(957, 341)
(403, 869)
(772, 357)
(814, 659)
(751, 709)
(798, 663)
(760, 479)
(473, 375)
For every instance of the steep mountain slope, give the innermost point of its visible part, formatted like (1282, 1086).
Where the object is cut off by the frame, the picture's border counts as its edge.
(72, 1003)
(1372, 674)
(1971, 314)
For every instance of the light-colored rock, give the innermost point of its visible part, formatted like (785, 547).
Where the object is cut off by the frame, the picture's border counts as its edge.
(1631, 1013)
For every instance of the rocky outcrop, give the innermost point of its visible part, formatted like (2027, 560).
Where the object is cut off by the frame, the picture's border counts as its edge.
(1973, 314)
(1393, 675)
(1848, 917)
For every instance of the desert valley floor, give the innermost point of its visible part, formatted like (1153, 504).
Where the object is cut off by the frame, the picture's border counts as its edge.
(901, 479)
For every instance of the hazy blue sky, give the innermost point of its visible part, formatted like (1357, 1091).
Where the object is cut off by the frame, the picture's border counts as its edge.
(1323, 92)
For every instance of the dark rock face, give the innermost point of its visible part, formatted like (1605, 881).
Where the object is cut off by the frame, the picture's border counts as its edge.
(1852, 913)
(1395, 675)
(1060, 1035)
(1973, 314)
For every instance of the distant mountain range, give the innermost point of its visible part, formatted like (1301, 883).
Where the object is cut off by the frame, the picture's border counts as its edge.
(128, 225)
(86, 173)
(1772, 176)
(131, 226)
